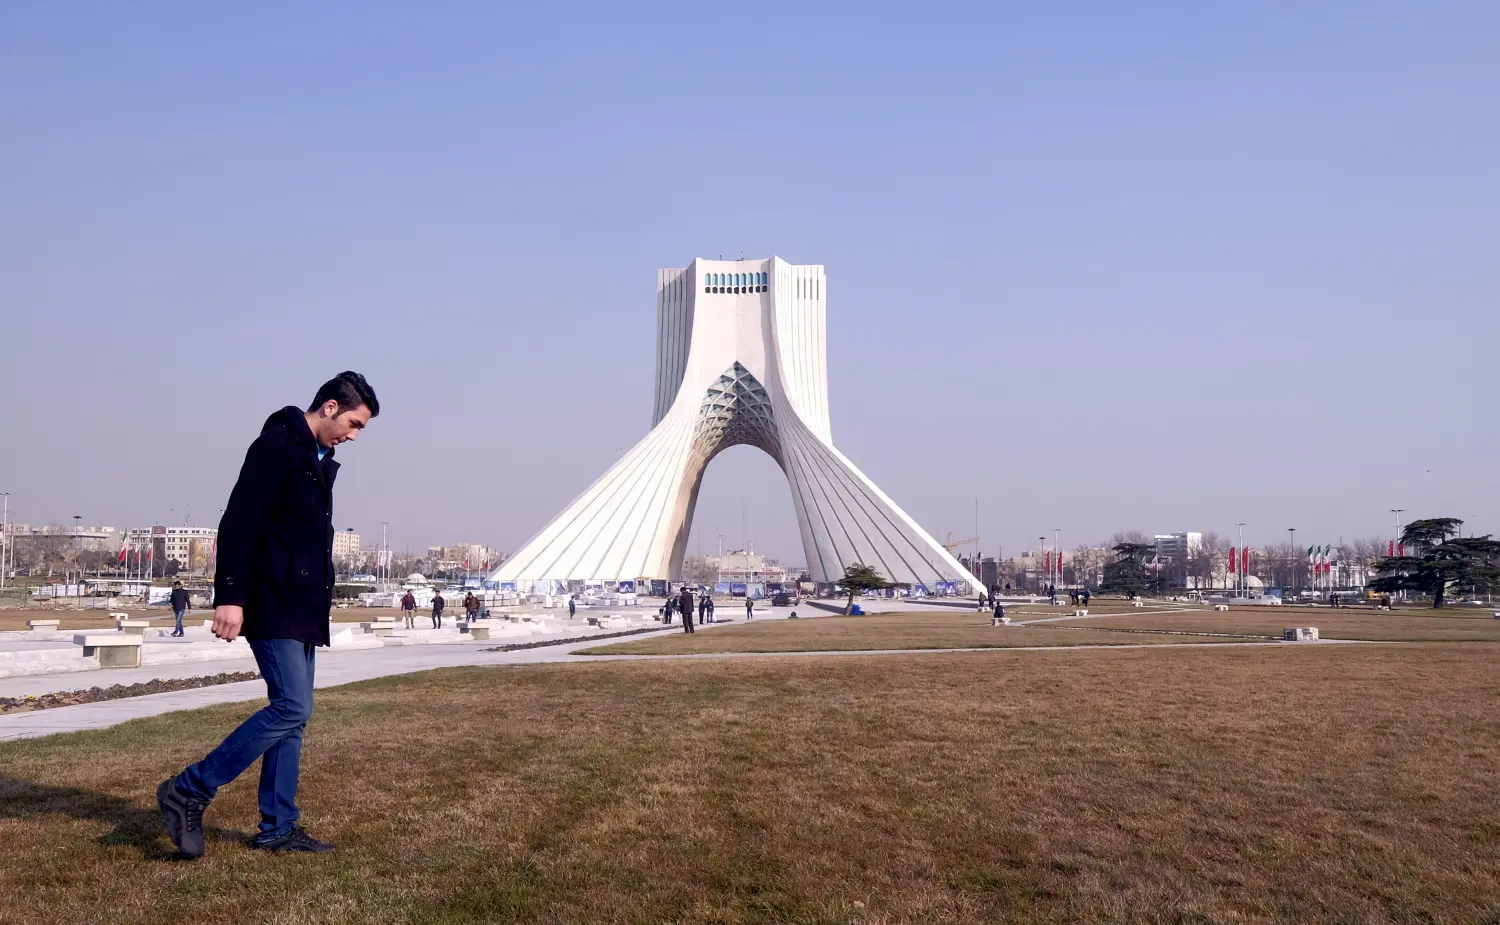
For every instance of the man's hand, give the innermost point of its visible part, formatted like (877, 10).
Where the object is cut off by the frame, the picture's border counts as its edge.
(227, 621)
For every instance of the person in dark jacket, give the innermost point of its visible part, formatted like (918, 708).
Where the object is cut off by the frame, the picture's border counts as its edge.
(437, 610)
(684, 603)
(274, 586)
(180, 601)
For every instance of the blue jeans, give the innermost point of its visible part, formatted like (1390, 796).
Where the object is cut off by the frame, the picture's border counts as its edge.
(179, 614)
(274, 735)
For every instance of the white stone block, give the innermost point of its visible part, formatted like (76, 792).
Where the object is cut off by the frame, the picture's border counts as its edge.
(114, 650)
(1300, 634)
(1221, 607)
(43, 629)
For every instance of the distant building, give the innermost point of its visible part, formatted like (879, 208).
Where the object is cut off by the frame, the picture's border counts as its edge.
(1175, 553)
(346, 552)
(191, 547)
(743, 567)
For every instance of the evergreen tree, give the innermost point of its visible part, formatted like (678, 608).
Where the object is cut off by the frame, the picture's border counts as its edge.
(1128, 574)
(1436, 557)
(859, 579)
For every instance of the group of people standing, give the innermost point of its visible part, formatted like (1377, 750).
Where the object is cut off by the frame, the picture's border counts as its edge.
(683, 602)
(409, 608)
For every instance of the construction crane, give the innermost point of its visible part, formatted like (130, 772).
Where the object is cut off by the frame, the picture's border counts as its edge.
(953, 544)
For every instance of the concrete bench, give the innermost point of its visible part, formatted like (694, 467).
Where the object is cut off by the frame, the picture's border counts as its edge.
(117, 617)
(133, 627)
(379, 627)
(42, 628)
(479, 631)
(1300, 634)
(1000, 621)
(114, 650)
(1221, 608)
(593, 621)
(1080, 612)
(1138, 603)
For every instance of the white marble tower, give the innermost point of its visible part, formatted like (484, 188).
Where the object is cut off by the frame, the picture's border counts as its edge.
(741, 357)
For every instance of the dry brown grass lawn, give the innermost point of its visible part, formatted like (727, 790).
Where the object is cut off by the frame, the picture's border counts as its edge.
(926, 629)
(1247, 785)
(1401, 625)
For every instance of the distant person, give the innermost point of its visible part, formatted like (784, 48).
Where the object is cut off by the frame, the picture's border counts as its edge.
(670, 607)
(180, 601)
(437, 609)
(676, 604)
(409, 608)
(685, 602)
(702, 608)
(749, 608)
(999, 614)
(471, 607)
(711, 610)
(1086, 596)
(274, 586)
(572, 606)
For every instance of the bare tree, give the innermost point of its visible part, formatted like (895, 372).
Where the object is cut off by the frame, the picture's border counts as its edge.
(1208, 560)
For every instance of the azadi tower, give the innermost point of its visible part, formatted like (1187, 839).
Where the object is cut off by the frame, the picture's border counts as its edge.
(741, 357)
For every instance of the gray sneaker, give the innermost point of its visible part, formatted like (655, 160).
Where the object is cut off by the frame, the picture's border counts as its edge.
(183, 817)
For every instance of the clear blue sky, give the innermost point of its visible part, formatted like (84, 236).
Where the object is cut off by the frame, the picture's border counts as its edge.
(1153, 266)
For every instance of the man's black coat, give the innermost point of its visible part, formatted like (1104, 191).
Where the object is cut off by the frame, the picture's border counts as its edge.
(275, 555)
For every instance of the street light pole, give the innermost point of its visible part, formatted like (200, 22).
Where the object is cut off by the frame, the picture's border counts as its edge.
(5, 535)
(1292, 533)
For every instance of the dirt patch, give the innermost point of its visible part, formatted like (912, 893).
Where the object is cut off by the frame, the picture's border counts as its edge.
(120, 691)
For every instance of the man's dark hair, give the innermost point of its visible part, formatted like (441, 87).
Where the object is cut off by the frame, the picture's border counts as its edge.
(176, 584)
(350, 390)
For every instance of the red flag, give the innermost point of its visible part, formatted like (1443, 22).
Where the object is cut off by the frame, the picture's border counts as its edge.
(466, 562)
(122, 553)
(1390, 549)
(1400, 549)
(1245, 560)
(1232, 562)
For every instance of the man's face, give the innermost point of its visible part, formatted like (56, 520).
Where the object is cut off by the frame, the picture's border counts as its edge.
(340, 426)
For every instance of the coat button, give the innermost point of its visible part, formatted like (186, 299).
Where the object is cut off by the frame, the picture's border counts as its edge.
(304, 573)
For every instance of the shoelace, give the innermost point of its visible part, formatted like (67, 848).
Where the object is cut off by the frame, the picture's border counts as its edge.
(194, 814)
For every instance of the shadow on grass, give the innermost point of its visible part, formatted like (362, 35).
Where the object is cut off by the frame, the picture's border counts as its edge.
(134, 826)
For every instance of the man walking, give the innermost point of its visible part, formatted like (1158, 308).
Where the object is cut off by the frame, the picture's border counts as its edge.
(409, 609)
(275, 587)
(572, 606)
(471, 607)
(749, 608)
(684, 603)
(703, 608)
(180, 602)
(437, 610)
